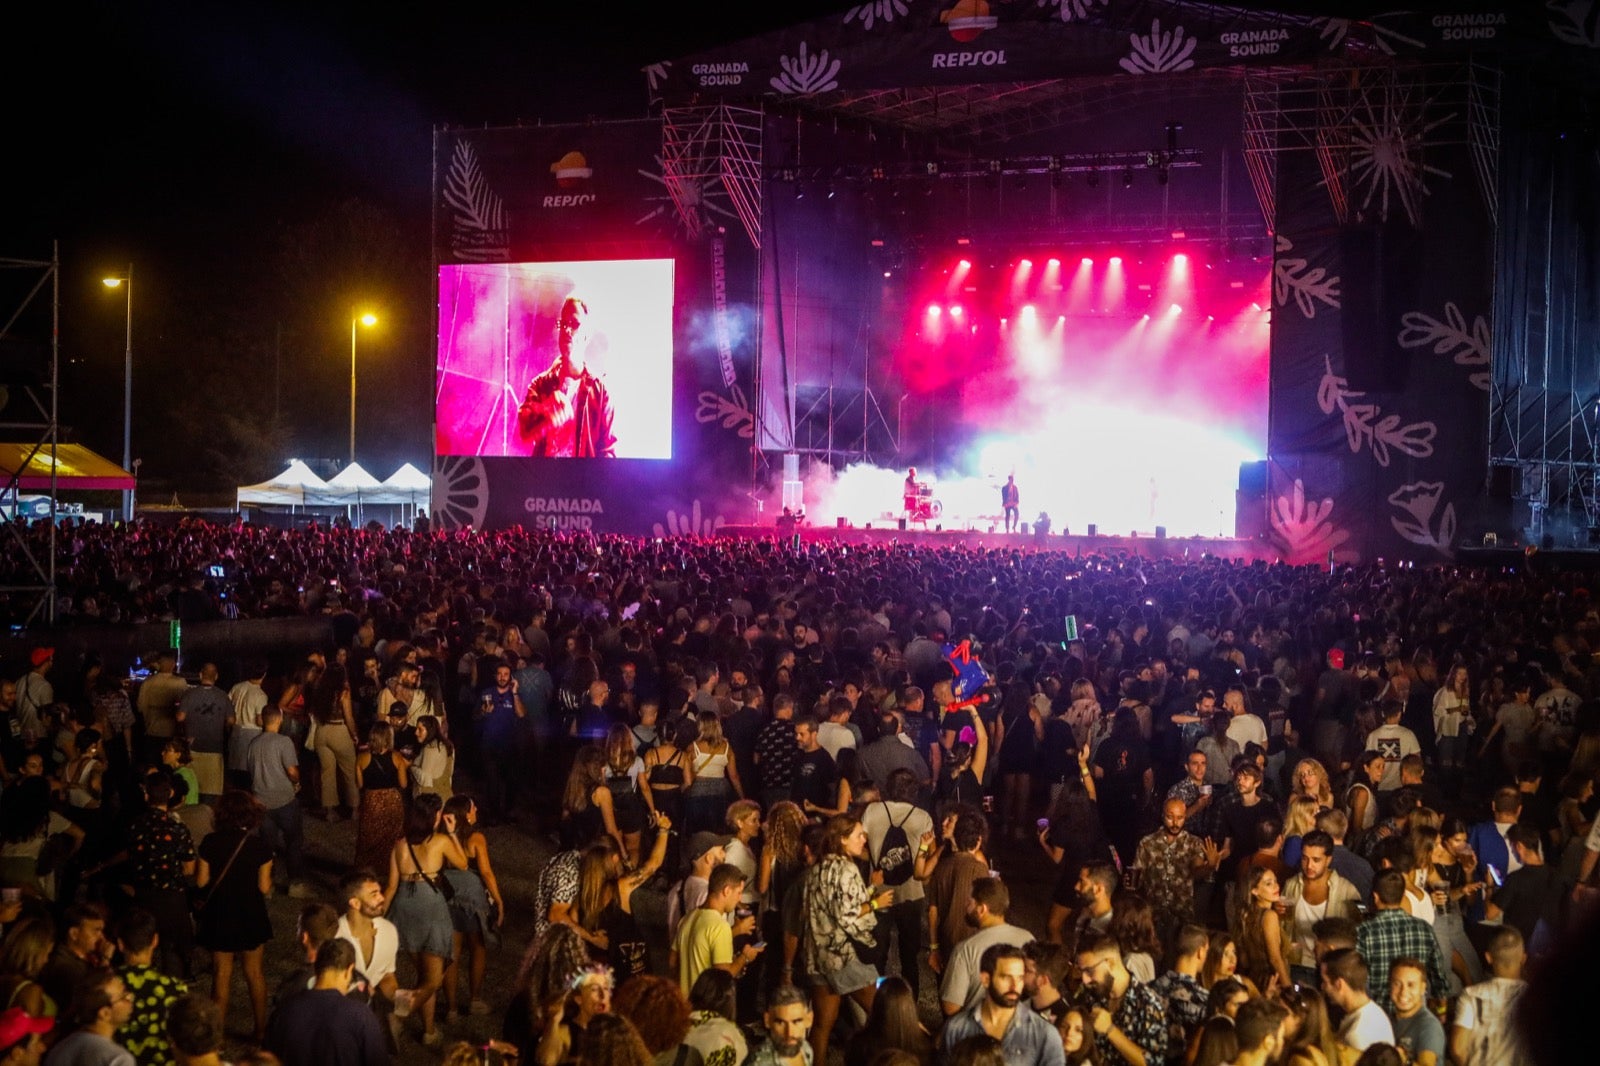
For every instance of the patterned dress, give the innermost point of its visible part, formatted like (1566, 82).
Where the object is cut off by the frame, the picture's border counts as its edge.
(382, 817)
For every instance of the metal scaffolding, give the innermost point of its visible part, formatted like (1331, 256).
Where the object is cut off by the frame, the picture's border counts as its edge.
(710, 150)
(37, 419)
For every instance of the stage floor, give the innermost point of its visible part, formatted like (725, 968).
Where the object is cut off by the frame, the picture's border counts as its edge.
(1143, 547)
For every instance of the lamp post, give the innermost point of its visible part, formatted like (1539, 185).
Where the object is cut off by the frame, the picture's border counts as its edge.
(126, 284)
(368, 320)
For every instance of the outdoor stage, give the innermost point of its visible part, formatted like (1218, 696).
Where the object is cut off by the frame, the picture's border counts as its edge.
(1076, 544)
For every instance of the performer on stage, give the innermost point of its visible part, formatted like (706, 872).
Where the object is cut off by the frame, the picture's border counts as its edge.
(1010, 501)
(911, 492)
(567, 410)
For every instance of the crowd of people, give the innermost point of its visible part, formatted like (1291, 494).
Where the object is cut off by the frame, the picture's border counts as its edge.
(1199, 812)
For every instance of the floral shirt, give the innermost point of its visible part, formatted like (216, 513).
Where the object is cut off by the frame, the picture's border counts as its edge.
(1186, 1005)
(159, 846)
(1142, 1019)
(833, 895)
(145, 1034)
(1168, 864)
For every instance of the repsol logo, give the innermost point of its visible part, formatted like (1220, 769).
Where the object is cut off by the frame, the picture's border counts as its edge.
(573, 200)
(994, 57)
(1246, 43)
(1482, 27)
(720, 73)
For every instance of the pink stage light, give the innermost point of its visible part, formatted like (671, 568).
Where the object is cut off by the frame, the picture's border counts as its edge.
(1086, 261)
(1116, 260)
(934, 310)
(1175, 310)
(955, 312)
(1052, 262)
(1180, 260)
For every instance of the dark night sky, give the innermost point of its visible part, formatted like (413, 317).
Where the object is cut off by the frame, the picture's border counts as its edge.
(185, 138)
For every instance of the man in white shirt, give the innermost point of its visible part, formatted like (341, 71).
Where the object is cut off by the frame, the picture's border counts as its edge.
(1244, 728)
(834, 734)
(1483, 1033)
(1344, 982)
(908, 914)
(986, 909)
(376, 940)
(1394, 741)
(246, 700)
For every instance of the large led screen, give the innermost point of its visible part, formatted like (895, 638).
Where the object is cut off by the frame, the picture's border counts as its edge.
(559, 360)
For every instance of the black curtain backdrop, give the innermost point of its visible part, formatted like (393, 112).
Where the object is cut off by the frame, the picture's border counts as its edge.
(1380, 342)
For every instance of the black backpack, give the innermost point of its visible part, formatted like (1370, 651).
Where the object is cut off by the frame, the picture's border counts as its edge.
(895, 857)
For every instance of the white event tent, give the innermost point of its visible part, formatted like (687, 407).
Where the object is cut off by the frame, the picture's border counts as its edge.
(352, 488)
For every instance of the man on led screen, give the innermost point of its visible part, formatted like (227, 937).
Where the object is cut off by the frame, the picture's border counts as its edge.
(567, 410)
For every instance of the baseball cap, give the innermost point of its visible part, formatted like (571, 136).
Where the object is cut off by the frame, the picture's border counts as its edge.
(703, 842)
(16, 1025)
(1336, 658)
(39, 656)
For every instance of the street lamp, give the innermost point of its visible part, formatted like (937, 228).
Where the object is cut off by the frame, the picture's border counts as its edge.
(368, 320)
(126, 284)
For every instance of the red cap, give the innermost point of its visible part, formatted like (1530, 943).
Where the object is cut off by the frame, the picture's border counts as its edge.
(16, 1025)
(1336, 658)
(39, 656)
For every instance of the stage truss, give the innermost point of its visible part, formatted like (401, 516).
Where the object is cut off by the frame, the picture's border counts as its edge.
(717, 146)
(38, 421)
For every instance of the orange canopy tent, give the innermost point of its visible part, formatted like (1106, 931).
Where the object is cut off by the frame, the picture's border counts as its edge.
(76, 467)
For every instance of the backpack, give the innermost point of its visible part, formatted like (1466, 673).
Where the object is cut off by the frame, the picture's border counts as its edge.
(895, 856)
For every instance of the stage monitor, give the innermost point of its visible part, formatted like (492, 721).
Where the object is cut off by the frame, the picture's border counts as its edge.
(555, 360)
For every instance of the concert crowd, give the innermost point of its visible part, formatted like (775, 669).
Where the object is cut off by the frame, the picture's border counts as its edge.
(796, 803)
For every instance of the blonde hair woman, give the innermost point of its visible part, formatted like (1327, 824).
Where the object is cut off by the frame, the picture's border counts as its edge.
(1300, 820)
(715, 777)
(1311, 779)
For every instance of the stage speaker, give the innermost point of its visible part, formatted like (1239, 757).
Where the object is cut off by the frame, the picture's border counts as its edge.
(1092, 529)
(1505, 481)
(902, 524)
(791, 467)
(842, 522)
(1161, 532)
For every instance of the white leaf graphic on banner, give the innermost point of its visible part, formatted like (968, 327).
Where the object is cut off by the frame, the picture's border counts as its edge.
(689, 524)
(869, 15)
(1304, 528)
(460, 496)
(1392, 129)
(1309, 286)
(1575, 22)
(1365, 424)
(1469, 345)
(807, 73)
(733, 411)
(1073, 9)
(1158, 52)
(1419, 501)
(477, 214)
(656, 73)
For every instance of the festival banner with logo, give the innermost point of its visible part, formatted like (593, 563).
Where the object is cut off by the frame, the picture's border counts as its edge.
(882, 44)
(595, 349)
(1380, 337)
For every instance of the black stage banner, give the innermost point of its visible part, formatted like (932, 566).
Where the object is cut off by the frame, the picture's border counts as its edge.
(882, 44)
(1378, 409)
